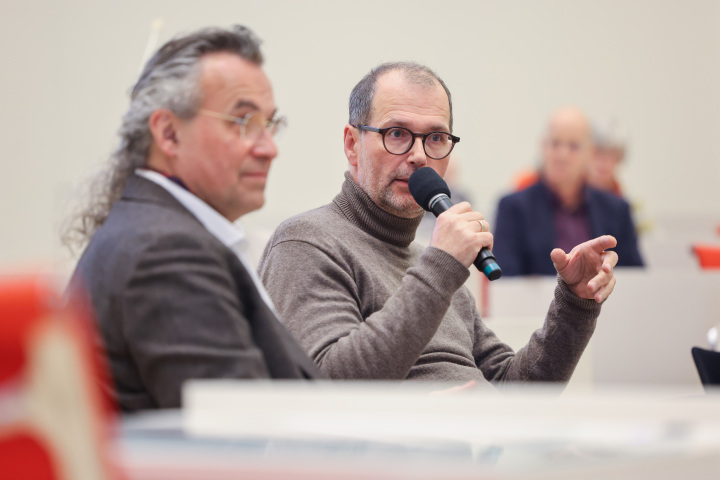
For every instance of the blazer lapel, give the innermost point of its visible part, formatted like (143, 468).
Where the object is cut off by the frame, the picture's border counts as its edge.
(284, 356)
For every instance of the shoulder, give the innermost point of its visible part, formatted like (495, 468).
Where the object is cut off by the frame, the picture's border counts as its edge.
(314, 226)
(135, 231)
(607, 200)
(143, 222)
(316, 238)
(528, 198)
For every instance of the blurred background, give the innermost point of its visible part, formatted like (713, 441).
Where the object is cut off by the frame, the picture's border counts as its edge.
(652, 66)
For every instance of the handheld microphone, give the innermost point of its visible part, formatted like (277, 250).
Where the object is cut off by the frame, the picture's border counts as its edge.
(432, 193)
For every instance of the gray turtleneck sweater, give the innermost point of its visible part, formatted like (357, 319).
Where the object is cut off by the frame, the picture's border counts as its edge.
(366, 302)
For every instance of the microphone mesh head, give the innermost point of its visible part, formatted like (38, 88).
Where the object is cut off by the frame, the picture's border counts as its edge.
(424, 184)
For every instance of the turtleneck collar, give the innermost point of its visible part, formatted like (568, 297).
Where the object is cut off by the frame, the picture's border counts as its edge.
(362, 211)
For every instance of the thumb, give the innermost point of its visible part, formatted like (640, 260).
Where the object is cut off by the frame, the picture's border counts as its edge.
(559, 258)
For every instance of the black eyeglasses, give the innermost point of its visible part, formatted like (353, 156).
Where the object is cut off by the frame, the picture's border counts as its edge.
(399, 140)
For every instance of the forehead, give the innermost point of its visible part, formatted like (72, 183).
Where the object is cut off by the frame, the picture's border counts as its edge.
(398, 100)
(227, 79)
(569, 125)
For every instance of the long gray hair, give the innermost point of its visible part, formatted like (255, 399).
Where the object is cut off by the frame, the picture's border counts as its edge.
(362, 95)
(170, 80)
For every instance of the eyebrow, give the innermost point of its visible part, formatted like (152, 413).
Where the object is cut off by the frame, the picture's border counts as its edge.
(245, 103)
(399, 123)
(249, 103)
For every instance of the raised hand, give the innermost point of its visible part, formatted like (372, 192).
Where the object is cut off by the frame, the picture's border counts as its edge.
(588, 268)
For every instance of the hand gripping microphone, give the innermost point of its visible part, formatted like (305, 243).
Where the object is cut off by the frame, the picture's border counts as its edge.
(432, 193)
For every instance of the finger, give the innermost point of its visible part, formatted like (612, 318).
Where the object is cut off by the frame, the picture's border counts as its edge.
(609, 261)
(471, 216)
(604, 274)
(487, 240)
(481, 225)
(605, 291)
(559, 258)
(603, 277)
(458, 208)
(599, 281)
(477, 220)
(601, 244)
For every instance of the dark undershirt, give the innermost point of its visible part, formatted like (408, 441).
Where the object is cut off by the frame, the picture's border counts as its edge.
(572, 226)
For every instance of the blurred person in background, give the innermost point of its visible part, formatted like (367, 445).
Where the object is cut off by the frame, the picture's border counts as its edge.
(561, 210)
(165, 267)
(610, 149)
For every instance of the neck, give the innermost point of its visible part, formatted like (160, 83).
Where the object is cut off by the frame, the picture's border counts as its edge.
(362, 211)
(569, 195)
(157, 164)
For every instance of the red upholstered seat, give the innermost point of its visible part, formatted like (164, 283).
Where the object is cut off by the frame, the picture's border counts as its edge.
(707, 255)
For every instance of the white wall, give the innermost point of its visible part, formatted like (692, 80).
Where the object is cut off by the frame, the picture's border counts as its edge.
(653, 65)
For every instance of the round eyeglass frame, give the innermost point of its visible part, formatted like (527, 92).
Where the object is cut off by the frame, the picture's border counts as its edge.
(423, 136)
(274, 126)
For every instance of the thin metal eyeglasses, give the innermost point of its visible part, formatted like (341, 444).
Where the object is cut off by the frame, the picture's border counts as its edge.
(252, 124)
(400, 140)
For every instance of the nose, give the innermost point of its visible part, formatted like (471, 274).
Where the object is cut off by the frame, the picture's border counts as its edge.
(416, 155)
(265, 146)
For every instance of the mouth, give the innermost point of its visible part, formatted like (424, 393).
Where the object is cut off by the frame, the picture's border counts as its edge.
(402, 184)
(256, 175)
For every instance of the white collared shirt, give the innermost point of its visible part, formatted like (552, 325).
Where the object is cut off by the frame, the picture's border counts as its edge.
(230, 234)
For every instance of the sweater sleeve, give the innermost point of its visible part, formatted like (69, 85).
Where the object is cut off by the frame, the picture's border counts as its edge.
(319, 300)
(553, 350)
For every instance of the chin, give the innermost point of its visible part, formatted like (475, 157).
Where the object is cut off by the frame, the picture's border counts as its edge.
(251, 206)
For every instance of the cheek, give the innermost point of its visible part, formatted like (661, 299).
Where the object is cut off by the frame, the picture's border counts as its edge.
(371, 168)
(229, 158)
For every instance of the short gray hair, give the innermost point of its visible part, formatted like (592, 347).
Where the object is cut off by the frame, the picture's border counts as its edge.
(609, 135)
(170, 80)
(362, 95)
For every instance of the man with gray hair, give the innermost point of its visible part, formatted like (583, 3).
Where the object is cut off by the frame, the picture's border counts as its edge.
(369, 303)
(561, 210)
(165, 268)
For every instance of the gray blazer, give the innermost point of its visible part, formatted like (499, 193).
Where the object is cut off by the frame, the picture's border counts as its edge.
(173, 303)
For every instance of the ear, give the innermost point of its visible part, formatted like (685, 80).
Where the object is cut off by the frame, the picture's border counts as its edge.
(163, 127)
(352, 144)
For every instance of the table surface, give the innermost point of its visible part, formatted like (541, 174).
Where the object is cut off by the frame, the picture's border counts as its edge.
(360, 430)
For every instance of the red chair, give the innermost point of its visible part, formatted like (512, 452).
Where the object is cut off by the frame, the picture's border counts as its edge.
(54, 419)
(707, 255)
(525, 178)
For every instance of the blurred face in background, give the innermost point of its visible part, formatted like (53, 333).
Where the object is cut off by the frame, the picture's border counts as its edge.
(602, 173)
(567, 149)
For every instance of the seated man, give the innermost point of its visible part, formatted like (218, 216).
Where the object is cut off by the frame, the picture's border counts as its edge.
(165, 269)
(561, 210)
(368, 303)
